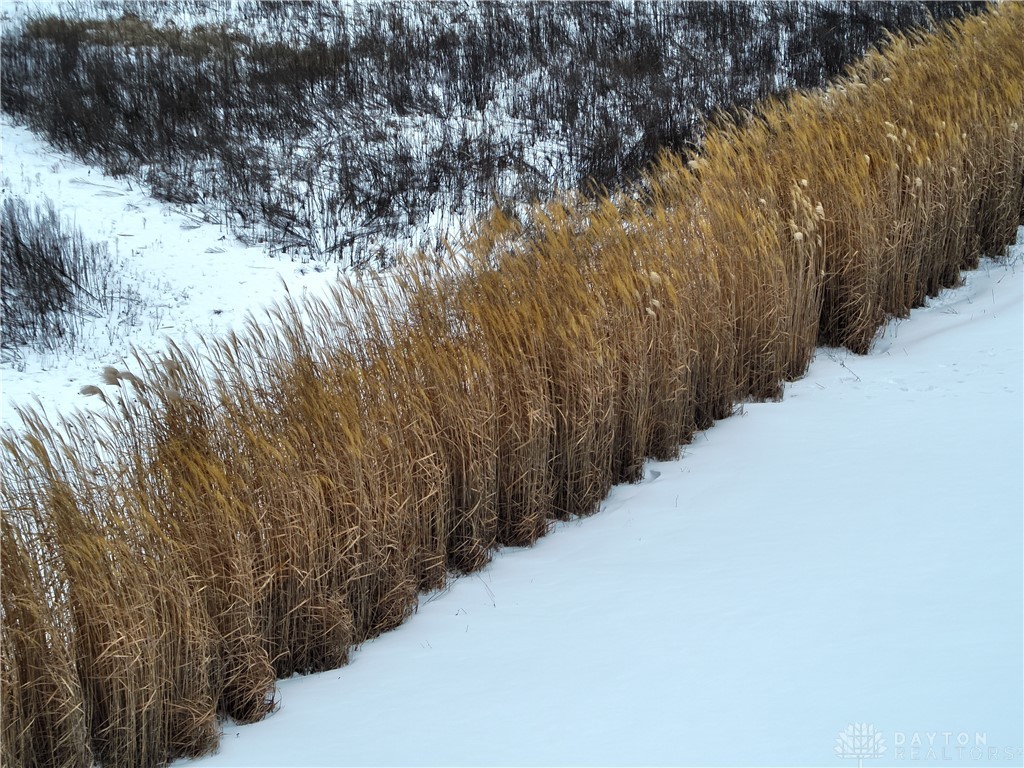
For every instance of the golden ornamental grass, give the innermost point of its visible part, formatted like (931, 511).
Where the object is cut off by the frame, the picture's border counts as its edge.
(255, 507)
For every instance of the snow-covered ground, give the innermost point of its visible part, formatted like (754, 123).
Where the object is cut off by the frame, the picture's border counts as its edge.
(833, 578)
(193, 278)
(830, 578)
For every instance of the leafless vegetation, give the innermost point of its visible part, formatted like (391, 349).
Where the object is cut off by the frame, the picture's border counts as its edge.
(326, 131)
(54, 282)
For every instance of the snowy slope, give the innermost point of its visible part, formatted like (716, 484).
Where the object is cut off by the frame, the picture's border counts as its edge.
(851, 556)
(194, 278)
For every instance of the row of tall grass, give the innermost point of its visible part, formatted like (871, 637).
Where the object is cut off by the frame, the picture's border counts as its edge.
(258, 506)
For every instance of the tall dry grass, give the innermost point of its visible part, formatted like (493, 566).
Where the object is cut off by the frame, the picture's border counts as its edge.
(255, 507)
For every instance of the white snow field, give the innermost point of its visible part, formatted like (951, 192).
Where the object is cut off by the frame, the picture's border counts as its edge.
(831, 580)
(193, 278)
